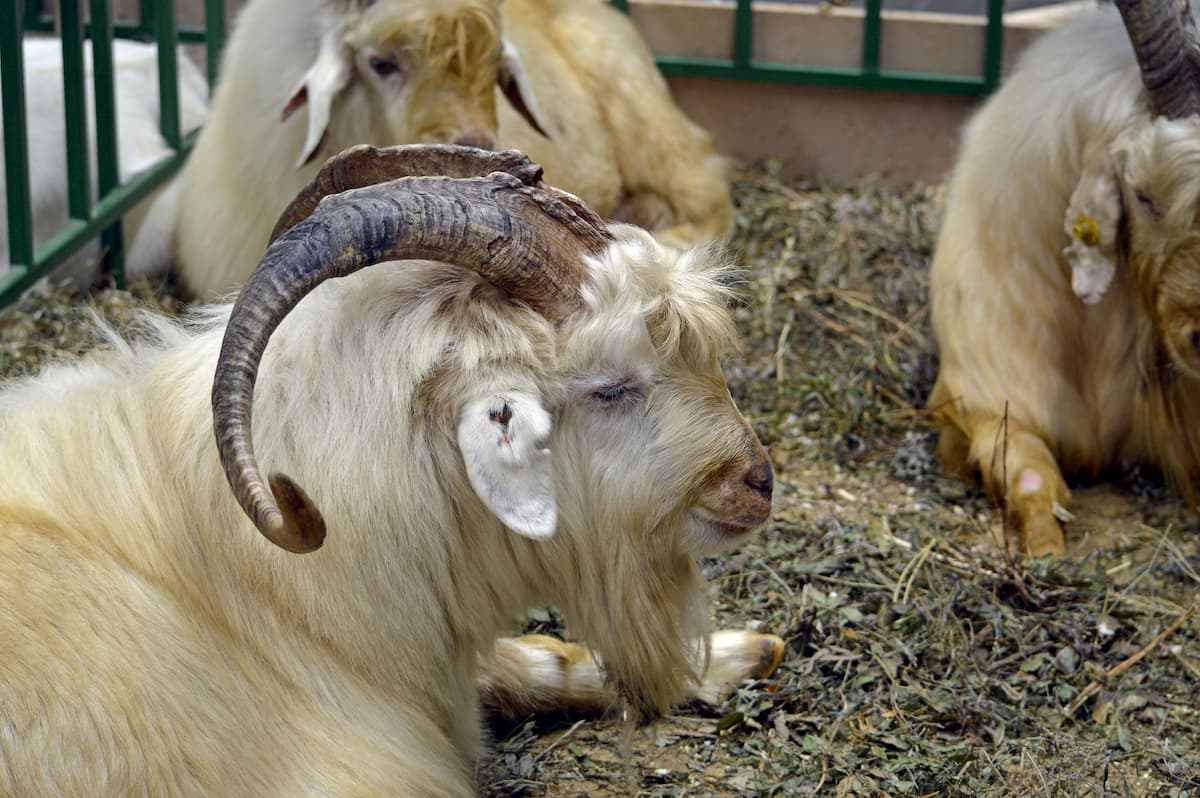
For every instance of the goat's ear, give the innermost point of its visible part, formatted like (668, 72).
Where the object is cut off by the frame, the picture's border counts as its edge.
(1092, 220)
(328, 75)
(513, 80)
(501, 438)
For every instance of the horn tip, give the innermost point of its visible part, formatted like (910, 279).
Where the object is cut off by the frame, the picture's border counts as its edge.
(299, 527)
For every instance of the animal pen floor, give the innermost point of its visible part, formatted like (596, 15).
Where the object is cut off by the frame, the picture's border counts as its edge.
(922, 659)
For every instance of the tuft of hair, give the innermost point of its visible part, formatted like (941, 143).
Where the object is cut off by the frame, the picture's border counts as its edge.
(683, 296)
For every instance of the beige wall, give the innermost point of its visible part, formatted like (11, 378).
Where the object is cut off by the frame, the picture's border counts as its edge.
(835, 134)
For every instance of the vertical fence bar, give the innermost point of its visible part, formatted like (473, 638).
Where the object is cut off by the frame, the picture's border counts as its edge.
(16, 142)
(214, 38)
(148, 16)
(621, 5)
(993, 50)
(743, 34)
(33, 10)
(168, 74)
(872, 34)
(107, 165)
(75, 109)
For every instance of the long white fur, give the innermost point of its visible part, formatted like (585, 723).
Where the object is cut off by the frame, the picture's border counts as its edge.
(152, 641)
(1069, 357)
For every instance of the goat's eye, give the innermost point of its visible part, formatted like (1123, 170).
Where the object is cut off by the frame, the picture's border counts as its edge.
(616, 392)
(1145, 201)
(384, 67)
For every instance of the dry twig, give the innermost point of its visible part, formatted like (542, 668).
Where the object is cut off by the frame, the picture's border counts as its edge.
(1133, 659)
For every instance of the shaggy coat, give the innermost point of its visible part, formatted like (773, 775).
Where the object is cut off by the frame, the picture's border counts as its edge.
(151, 640)
(1065, 285)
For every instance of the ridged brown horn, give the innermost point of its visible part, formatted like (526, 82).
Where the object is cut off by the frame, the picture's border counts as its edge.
(365, 165)
(526, 240)
(1164, 39)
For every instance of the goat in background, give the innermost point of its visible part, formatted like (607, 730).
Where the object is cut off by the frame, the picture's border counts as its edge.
(1065, 284)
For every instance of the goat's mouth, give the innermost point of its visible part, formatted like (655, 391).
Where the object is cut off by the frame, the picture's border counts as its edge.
(710, 533)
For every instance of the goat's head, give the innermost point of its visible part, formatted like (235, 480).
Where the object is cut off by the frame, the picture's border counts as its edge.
(628, 460)
(1142, 196)
(398, 71)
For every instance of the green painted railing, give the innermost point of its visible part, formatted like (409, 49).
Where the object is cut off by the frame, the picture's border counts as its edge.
(156, 23)
(868, 75)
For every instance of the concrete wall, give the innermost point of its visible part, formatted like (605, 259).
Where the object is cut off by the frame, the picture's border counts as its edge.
(835, 134)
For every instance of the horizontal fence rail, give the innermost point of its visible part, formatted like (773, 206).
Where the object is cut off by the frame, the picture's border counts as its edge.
(112, 199)
(868, 75)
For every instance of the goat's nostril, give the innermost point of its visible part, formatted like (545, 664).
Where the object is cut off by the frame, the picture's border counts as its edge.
(761, 479)
(1194, 338)
(480, 140)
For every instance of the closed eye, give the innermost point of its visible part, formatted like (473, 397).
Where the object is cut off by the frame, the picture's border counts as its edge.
(612, 393)
(1146, 203)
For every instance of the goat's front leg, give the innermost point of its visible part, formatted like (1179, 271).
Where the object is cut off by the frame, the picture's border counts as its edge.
(537, 673)
(1019, 471)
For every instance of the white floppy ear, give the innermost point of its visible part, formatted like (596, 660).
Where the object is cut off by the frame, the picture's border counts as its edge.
(513, 80)
(1091, 221)
(328, 75)
(501, 438)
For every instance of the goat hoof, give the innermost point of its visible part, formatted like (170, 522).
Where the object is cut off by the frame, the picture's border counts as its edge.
(1042, 536)
(771, 648)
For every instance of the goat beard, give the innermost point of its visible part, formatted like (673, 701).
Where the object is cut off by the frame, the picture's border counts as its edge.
(646, 617)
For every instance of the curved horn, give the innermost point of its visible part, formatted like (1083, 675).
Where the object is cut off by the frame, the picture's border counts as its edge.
(365, 165)
(1164, 39)
(526, 240)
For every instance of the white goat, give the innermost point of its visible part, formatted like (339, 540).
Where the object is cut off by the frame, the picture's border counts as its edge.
(409, 71)
(547, 425)
(140, 143)
(1065, 288)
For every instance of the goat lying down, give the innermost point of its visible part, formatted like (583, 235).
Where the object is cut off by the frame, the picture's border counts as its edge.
(544, 421)
(568, 81)
(1065, 286)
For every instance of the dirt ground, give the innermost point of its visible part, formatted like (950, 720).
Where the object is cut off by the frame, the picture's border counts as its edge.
(922, 658)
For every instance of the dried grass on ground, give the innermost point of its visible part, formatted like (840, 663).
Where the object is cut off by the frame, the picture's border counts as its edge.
(922, 659)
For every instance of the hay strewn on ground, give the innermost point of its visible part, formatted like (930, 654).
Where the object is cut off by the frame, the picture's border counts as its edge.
(922, 659)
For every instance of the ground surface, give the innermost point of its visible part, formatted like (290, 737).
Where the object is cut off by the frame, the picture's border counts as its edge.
(922, 659)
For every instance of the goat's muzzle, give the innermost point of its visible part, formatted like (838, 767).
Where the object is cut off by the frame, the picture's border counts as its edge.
(737, 499)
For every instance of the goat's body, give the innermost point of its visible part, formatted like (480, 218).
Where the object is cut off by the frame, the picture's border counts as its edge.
(1026, 367)
(242, 172)
(124, 674)
(617, 139)
(165, 631)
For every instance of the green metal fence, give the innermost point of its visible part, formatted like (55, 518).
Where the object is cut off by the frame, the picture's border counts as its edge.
(868, 75)
(156, 23)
